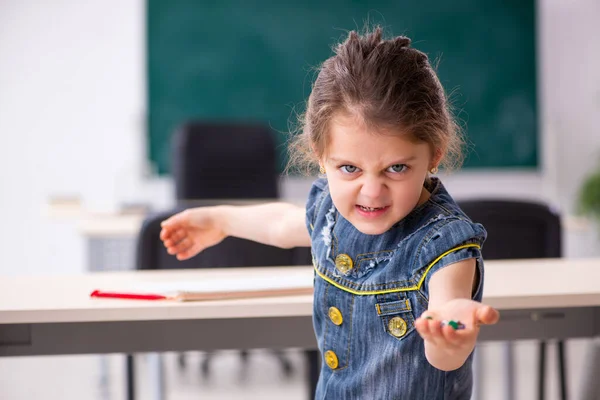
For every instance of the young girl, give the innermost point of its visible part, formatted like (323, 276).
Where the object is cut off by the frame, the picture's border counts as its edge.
(398, 267)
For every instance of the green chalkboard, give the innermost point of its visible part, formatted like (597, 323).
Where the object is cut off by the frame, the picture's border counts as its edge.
(254, 60)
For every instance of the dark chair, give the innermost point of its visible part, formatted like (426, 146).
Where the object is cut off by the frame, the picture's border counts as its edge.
(516, 230)
(224, 161)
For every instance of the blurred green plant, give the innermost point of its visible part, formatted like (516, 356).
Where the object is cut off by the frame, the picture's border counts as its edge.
(589, 196)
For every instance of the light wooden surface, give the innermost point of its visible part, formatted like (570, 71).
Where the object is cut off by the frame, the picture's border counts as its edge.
(509, 285)
(542, 283)
(110, 225)
(34, 299)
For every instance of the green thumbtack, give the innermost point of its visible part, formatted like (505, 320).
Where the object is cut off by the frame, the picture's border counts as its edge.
(454, 324)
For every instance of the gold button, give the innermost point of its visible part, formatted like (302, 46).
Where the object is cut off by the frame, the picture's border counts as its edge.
(397, 326)
(335, 316)
(331, 359)
(343, 263)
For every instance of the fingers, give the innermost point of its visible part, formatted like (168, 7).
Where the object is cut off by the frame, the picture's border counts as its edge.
(432, 330)
(173, 232)
(487, 315)
(171, 221)
(171, 238)
(422, 326)
(187, 253)
(175, 222)
(166, 232)
(452, 337)
(429, 328)
(180, 246)
(176, 241)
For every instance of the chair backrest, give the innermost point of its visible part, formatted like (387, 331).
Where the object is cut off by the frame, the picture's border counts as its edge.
(231, 252)
(213, 160)
(224, 161)
(516, 229)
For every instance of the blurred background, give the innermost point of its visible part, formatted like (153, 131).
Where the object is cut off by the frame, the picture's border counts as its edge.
(92, 92)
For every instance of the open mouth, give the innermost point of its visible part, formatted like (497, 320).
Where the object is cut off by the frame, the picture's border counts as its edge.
(371, 212)
(371, 209)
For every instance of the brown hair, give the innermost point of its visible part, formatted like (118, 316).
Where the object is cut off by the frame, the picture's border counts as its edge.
(387, 84)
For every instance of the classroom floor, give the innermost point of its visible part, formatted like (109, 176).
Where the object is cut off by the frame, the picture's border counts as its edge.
(80, 377)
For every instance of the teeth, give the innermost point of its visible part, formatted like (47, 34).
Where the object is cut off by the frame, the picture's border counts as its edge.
(370, 208)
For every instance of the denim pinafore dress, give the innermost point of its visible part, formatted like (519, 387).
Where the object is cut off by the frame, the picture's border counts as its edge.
(369, 289)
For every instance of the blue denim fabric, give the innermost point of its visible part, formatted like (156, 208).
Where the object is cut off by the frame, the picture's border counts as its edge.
(389, 279)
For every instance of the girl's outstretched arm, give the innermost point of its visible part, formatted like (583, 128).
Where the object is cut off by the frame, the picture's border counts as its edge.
(277, 224)
(450, 326)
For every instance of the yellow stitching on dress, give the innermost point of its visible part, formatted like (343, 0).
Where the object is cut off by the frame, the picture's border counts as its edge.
(378, 309)
(413, 287)
(350, 283)
(407, 289)
(442, 256)
(365, 293)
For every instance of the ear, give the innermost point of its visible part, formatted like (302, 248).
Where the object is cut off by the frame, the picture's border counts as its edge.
(321, 159)
(437, 158)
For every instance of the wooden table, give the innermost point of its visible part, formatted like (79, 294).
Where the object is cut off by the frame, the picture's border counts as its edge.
(542, 299)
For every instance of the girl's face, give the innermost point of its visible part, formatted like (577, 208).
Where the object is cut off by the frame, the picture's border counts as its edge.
(375, 179)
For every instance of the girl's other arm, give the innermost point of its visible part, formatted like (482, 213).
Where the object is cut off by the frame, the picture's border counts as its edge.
(277, 224)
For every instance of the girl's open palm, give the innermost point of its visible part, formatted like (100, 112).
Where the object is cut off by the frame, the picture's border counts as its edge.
(189, 232)
(469, 313)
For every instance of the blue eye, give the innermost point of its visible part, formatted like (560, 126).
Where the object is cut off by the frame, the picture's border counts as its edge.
(397, 168)
(348, 169)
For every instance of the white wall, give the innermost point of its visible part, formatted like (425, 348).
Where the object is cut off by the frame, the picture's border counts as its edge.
(570, 92)
(71, 114)
(72, 86)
